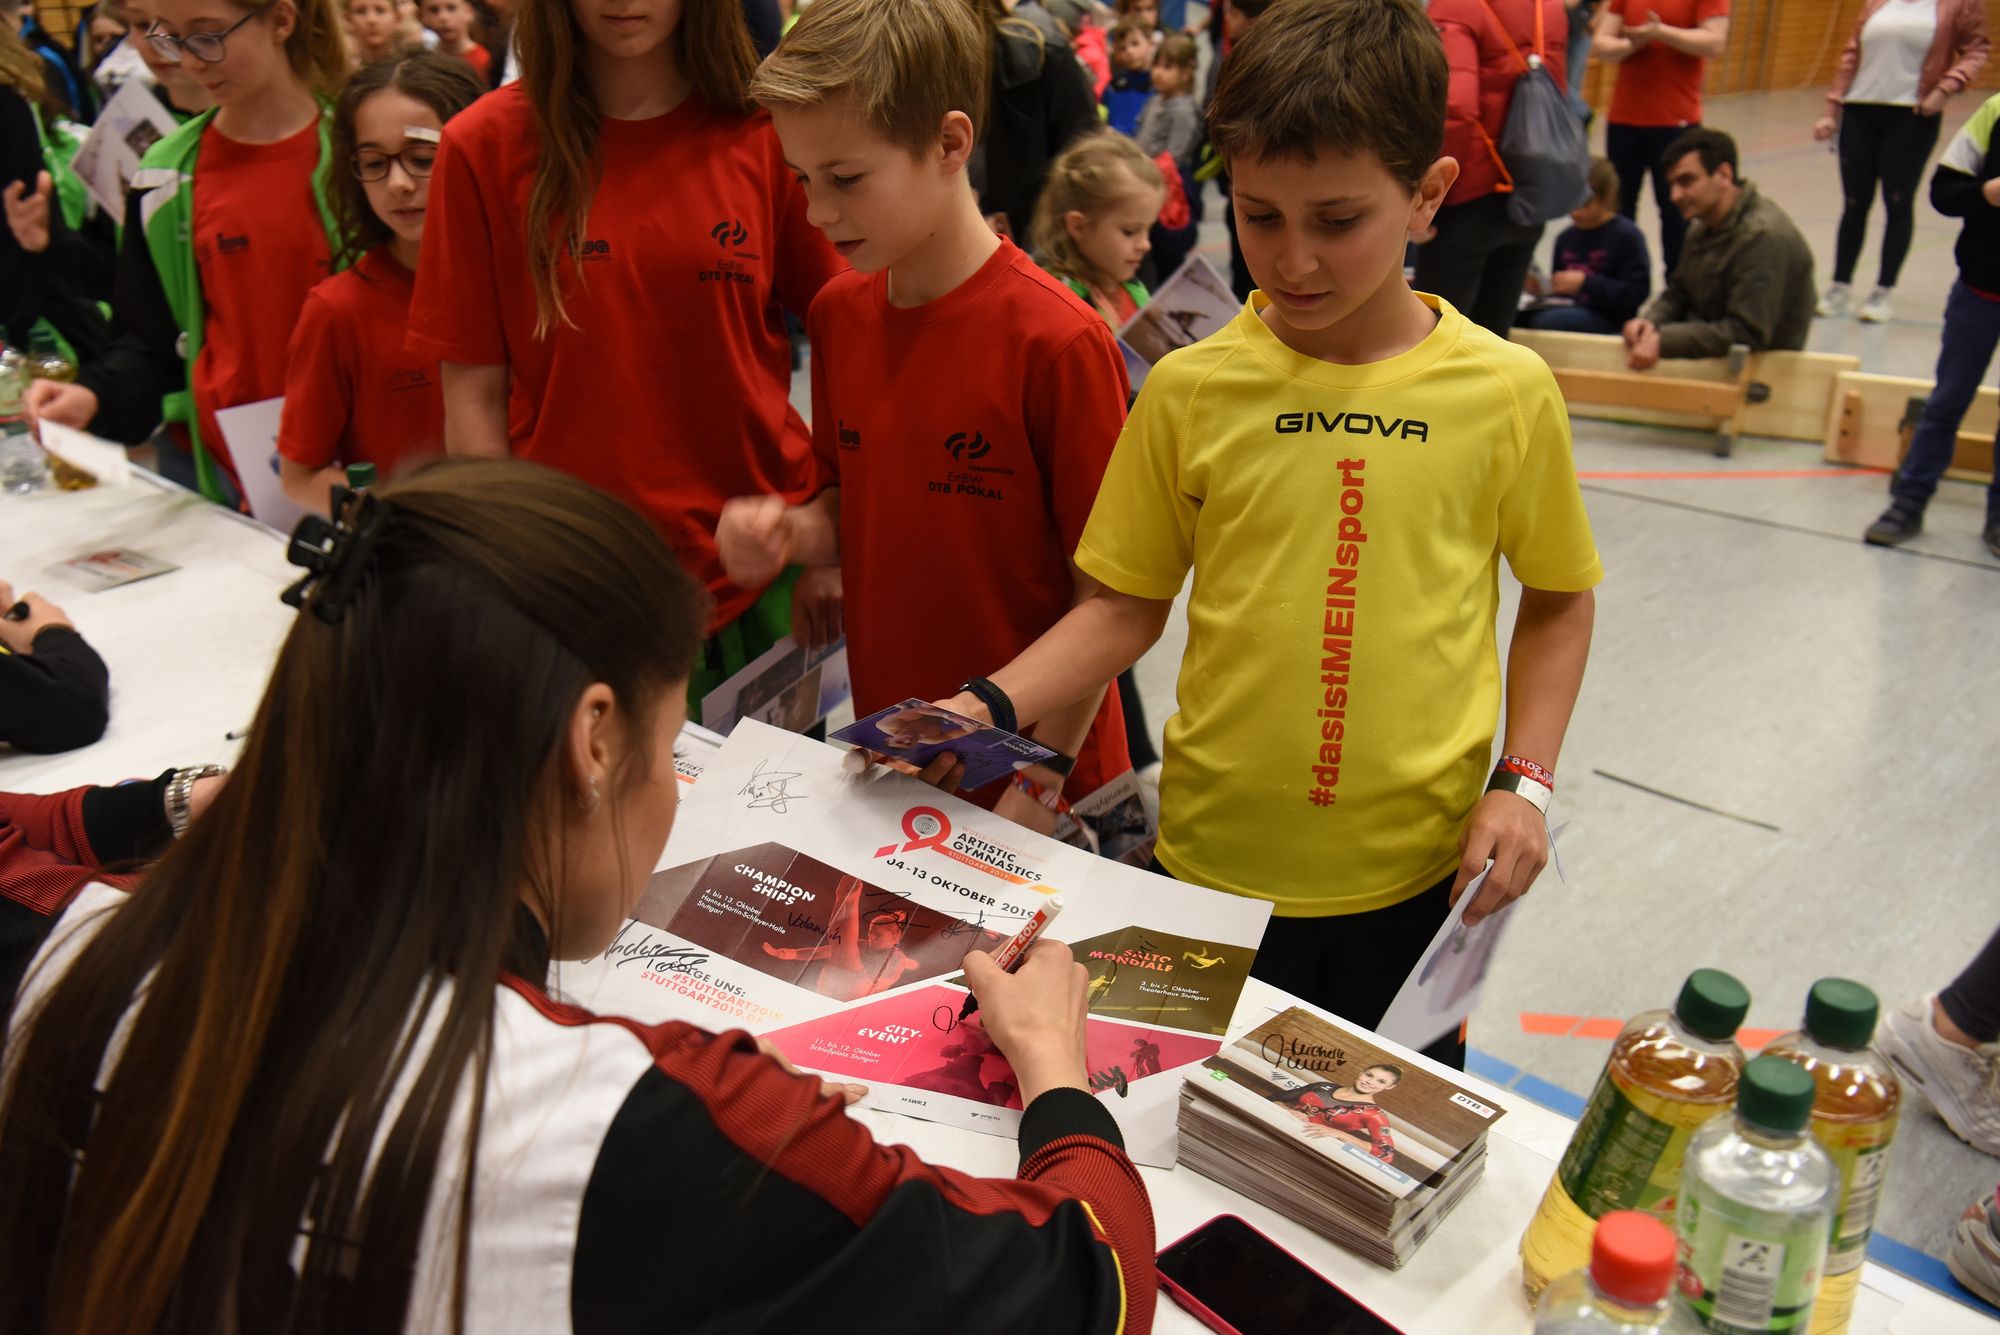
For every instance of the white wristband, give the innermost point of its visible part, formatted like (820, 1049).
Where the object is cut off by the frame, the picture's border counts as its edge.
(1521, 785)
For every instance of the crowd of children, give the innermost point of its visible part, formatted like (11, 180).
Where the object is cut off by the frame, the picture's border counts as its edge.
(416, 265)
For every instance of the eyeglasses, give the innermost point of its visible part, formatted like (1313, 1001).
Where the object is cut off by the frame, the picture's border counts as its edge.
(370, 165)
(203, 46)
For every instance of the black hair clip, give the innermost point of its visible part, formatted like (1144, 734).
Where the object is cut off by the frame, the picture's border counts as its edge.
(335, 553)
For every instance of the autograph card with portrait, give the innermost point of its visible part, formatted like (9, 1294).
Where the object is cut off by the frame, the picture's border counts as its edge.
(917, 732)
(830, 913)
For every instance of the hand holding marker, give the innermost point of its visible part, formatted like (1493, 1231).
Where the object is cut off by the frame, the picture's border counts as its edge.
(1009, 956)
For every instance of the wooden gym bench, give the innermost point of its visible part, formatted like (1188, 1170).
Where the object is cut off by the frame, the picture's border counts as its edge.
(1781, 394)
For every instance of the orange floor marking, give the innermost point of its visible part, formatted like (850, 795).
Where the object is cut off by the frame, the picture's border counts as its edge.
(1604, 1028)
(1728, 475)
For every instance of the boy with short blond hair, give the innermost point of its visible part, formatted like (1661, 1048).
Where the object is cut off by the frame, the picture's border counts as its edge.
(1341, 468)
(964, 402)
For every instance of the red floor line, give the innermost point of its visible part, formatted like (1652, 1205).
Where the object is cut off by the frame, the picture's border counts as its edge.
(1605, 1027)
(1728, 475)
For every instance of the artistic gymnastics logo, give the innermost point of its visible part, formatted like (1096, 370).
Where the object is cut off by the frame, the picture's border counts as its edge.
(928, 828)
(923, 827)
(729, 232)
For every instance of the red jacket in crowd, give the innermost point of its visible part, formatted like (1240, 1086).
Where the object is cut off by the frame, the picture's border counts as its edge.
(1486, 42)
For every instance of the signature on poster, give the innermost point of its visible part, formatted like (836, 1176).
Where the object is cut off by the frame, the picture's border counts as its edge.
(770, 788)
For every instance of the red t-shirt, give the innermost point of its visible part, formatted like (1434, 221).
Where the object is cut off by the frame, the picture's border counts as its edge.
(481, 61)
(1658, 85)
(351, 392)
(260, 246)
(671, 387)
(968, 437)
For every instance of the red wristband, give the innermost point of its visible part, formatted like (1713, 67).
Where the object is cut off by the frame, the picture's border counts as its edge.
(1527, 769)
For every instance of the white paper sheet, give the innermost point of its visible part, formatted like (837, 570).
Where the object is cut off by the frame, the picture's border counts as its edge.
(131, 122)
(251, 432)
(1442, 990)
(102, 459)
(828, 912)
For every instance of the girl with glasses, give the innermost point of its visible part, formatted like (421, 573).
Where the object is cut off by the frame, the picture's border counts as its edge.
(227, 228)
(352, 394)
(611, 243)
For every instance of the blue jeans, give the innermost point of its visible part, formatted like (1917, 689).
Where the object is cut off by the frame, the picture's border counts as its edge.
(1568, 319)
(1579, 57)
(1971, 331)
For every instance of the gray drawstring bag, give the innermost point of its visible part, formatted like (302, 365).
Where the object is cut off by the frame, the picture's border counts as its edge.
(1543, 151)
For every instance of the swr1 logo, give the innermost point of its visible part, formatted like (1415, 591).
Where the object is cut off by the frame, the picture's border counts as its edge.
(967, 448)
(595, 250)
(729, 232)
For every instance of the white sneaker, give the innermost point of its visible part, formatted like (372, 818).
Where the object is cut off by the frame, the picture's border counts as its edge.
(1838, 302)
(1963, 1084)
(1974, 1257)
(1879, 308)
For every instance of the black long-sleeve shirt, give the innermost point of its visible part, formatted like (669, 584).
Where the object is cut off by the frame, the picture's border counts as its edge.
(1969, 161)
(1614, 255)
(56, 698)
(142, 364)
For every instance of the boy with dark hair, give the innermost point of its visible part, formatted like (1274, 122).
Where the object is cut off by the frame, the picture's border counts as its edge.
(1342, 468)
(1745, 275)
(1131, 74)
(964, 401)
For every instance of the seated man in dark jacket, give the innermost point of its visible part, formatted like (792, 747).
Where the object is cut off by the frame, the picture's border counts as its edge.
(1745, 274)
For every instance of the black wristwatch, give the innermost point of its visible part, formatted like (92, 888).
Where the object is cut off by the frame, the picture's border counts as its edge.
(997, 704)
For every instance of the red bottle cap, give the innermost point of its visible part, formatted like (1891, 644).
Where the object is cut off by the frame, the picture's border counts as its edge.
(1632, 1258)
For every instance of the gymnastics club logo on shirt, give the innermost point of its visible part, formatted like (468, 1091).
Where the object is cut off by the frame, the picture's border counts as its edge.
(966, 448)
(929, 828)
(729, 232)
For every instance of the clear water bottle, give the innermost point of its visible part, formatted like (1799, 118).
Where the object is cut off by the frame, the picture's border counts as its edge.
(23, 467)
(1756, 1208)
(1627, 1289)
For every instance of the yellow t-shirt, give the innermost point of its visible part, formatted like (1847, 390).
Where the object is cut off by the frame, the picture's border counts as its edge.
(1341, 686)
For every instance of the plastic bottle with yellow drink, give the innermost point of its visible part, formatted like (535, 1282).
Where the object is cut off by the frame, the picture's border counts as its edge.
(1669, 1072)
(1857, 1099)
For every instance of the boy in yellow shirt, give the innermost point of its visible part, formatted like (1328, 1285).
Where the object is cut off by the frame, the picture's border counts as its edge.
(1342, 468)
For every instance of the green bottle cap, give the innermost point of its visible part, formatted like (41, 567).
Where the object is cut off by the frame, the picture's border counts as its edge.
(360, 476)
(1775, 1096)
(1713, 1004)
(1841, 1013)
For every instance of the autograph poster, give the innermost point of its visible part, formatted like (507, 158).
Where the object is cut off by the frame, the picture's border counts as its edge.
(829, 912)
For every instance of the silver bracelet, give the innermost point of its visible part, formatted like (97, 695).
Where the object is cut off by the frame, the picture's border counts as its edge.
(180, 791)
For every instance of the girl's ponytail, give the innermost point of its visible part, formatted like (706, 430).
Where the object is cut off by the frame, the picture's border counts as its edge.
(317, 47)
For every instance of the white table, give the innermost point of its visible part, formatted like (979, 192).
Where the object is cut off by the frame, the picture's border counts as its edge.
(189, 652)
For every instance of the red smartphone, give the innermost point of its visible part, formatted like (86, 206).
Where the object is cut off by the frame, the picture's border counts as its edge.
(1239, 1282)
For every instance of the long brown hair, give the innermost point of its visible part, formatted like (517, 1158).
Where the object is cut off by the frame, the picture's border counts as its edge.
(445, 84)
(317, 46)
(713, 49)
(358, 878)
(21, 70)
